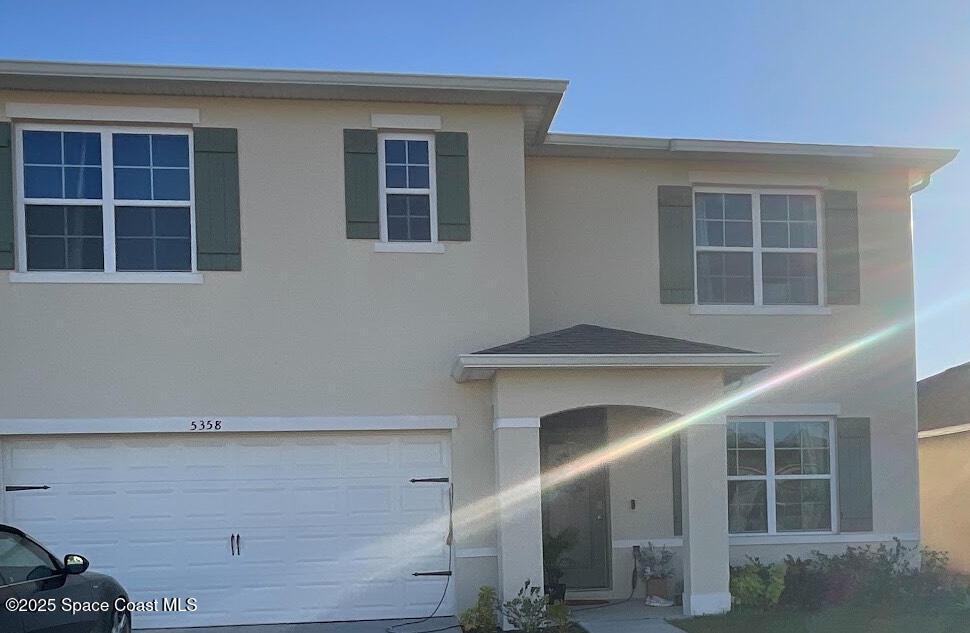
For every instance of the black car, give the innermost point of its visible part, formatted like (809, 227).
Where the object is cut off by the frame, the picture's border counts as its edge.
(40, 594)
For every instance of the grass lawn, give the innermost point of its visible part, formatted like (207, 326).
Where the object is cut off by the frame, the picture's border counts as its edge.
(835, 620)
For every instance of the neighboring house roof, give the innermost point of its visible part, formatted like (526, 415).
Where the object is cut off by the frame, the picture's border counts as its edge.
(943, 402)
(539, 99)
(590, 346)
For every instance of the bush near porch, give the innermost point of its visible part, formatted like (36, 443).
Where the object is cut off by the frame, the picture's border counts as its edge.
(865, 589)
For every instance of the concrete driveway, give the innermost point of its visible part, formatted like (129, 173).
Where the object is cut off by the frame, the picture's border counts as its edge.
(369, 626)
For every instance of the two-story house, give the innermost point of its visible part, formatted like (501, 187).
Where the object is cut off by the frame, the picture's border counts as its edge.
(288, 341)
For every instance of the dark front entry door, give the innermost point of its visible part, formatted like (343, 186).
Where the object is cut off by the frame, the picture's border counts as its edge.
(580, 505)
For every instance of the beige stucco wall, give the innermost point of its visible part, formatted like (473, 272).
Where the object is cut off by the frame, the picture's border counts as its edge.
(592, 236)
(944, 482)
(315, 324)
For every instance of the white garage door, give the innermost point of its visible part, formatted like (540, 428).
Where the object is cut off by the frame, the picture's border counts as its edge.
(330, 527)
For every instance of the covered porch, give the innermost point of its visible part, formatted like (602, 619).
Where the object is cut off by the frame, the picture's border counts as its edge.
(589, 436)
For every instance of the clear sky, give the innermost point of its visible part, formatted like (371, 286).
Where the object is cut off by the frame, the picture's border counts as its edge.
(857, 72)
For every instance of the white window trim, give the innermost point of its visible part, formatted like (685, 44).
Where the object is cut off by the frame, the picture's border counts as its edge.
(770, 477)
(756, 249)
(431, 192)
(406, 121)
(107, 114)
(110, 274)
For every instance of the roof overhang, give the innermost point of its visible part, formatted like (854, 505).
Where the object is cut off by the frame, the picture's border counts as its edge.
(922, 160)
(944, 430)
(483, 366)
(539, 98)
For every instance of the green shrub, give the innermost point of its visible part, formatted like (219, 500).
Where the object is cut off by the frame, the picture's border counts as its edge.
(890, 576)
(483, 617)
(528, 611)
(559, 617)
(756, 585)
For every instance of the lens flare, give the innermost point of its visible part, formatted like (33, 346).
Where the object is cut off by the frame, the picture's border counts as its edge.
(427, 542)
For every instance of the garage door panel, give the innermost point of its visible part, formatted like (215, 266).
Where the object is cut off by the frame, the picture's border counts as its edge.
(330, 526)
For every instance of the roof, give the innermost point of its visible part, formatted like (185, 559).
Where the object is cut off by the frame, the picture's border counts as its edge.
(593, 346)
(539, 98)
(926, 160)
(943, 401)
(593, 339)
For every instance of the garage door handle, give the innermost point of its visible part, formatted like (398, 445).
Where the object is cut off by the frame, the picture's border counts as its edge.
(19, 488)
(232, 544)
(238, 548)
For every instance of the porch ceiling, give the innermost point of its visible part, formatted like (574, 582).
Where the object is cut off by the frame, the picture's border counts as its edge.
(591, 346)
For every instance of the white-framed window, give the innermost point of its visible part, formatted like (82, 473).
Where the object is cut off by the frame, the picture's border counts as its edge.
(781, 475)
(757, 247)
(408, 199)
(104, 199)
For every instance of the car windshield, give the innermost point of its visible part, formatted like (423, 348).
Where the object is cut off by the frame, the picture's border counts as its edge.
(22, 560)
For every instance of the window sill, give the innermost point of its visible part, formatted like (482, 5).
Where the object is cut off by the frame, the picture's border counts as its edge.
(408, 247)
(755, 310)
(813, 538)
(71, 277)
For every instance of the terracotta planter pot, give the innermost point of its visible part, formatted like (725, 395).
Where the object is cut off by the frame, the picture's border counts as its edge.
(659, 587)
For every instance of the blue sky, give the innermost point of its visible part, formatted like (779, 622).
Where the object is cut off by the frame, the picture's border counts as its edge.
(863, 72)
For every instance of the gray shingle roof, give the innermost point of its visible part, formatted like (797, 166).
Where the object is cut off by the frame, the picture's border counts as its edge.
(593, 339)
(944, 399)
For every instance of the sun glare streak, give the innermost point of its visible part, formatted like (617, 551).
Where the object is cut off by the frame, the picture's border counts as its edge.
(475, 517)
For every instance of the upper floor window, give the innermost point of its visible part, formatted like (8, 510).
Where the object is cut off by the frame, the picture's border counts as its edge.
(407, 179)
(757, 248)
(105, 199)
(780, 476)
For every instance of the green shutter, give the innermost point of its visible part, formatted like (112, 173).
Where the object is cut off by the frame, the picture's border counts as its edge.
(451, 169)
(842, 247)
(676, 216)
(6, 198)
(677, 493)
(217, 230)
(361, 185)
(854, 475)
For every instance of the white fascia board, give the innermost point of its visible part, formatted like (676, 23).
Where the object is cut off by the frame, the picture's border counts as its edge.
(482, 366)
(230, 424)
(255, 76)
(944, 430)
(115, 114)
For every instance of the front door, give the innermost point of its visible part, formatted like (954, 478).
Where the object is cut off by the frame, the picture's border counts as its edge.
(579, 507)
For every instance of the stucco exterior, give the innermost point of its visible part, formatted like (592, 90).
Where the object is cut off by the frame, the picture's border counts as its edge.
(943, 473)
(592, 258)
(316, 324)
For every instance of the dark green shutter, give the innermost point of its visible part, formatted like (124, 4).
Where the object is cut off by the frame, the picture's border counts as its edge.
(6, 198)
(677, 493)
(451, 169)
(854, 475)
(676, 215)
(361, 185)
(217, 199)
(842, 247)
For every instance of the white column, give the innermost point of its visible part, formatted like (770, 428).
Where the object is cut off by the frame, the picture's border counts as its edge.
(519, 501)
(704, 490)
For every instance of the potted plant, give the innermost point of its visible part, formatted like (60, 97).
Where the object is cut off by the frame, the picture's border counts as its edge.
(656, 570)
(554, 548)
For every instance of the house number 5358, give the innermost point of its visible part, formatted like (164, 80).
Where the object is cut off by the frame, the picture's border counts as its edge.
(205, 425)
